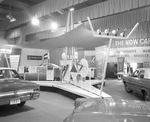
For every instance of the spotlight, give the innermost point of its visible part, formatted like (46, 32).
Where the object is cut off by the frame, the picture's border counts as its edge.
(71, 9)
(10, 17)
(106, 31)
(12, 20)
(99, 31)
(115, 32)
(123, 33)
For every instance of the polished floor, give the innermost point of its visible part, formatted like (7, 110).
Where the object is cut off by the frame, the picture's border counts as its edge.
(50, 107)
(55, 107)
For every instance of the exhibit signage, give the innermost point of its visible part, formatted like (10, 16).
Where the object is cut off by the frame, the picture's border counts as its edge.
(14, 61)
(33, 57)
(142, 42)
(134, 50)
(120, 66)
(46, 56)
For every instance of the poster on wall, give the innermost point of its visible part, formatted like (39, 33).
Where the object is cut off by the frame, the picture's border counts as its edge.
(120, 64)
(14, 61)
(21, 69)
(50, 73)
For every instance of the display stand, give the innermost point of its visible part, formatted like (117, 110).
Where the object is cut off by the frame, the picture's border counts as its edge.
(109, 46)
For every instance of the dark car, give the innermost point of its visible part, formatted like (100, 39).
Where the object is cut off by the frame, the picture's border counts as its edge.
(138, 82)
(15, 90)
(109, 110)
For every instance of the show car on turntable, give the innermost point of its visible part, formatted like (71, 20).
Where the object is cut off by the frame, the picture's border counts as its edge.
(138, 82)
(14, 89)
(109, 110)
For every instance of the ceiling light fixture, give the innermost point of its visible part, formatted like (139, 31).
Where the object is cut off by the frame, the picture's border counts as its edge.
(122, 34)
(35, 21)
(54, 26)
(106, 31)
(114, 32)
(9, 16)
(99, 31)
(71, 9)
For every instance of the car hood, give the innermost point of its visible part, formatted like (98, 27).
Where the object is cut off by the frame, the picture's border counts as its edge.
(114, 106)
(15, 84)
(109, 110)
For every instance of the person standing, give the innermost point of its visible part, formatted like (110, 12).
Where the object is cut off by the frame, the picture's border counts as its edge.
(129, 70)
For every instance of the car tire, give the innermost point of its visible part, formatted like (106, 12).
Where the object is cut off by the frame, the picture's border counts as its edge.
(146, 96)
(127, 89)
(22, 104)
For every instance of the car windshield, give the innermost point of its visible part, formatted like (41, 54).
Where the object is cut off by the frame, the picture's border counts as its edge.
(135, 74)
(8, 73)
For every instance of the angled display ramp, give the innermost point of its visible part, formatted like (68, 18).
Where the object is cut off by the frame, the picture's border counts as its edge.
(94, 93)
(78, 37)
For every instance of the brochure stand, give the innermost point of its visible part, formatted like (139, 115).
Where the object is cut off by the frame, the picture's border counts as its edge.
(50, 73)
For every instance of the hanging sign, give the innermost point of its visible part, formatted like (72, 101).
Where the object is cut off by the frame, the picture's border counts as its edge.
(14, 61)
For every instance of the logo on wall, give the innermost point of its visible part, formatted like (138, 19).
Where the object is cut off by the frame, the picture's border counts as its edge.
(33, 57)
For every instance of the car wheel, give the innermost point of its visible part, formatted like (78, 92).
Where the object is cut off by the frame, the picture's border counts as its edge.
(146, 96)
(21, 104)
(128, 90)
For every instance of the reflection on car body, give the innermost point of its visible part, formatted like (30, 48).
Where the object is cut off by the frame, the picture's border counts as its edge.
(139, 82)
(109, 110)
(15, 90)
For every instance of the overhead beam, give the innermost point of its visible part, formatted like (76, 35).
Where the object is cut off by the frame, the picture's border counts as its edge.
(2, 17)
(6, 7)
(26, 2)
(61, 12)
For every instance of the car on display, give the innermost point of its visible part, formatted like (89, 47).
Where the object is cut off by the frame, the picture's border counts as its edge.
(14, 89)
(139, 82)
(109, 110)
(50, 64)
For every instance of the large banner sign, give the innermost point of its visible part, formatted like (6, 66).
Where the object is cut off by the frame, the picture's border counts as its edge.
(134, 50)
(143, 42)
(14, 61)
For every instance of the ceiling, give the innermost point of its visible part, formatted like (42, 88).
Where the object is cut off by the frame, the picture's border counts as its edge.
(16, 6)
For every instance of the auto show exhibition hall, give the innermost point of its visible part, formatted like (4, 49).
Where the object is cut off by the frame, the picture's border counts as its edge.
(61, 54)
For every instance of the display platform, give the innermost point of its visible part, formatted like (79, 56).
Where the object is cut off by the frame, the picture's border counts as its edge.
(94, 92)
